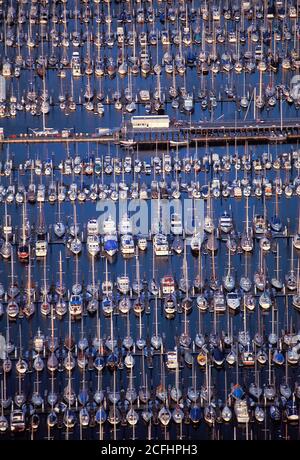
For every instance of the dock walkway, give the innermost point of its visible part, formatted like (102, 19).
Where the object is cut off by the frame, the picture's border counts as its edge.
(179, 133)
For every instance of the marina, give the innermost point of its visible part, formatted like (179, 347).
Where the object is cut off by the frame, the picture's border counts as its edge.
(149, 220)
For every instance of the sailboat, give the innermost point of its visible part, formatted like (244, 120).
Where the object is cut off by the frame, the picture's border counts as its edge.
(107, 287)
(61, 306)
(29, 308)
(276, 281)
(156, 339)
(247, 239)
(21, 369)
(69, 418)
(296, 296)
(290, 278)
(229, 279)
(24, 248)
(296, 237)
(6, 248)
(93, 303)
(59, 227)
(132, 416)
(3, 420)
(164, 414)
(275, 221)
(226, 411)
(45, 304)
(74, 243)
(52, 399)
(138, 304)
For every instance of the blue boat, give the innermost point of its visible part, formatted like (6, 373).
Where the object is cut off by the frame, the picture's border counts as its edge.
(237, 391)
(83, 397)
(100, 416)
(275, 413)
(276, 224)
(278, 358)
(195, 414)
(110, 244)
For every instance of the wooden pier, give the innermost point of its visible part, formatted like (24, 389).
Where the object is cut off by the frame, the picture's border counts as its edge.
(179, 133)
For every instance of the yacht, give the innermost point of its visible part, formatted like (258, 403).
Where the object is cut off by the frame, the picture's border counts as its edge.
(196, 242)
(176, 224)
(93, 245)
(170, 305)
(75, 305)
(123, 284)
(17, 421)
(241, 411)
(142, 243)
(125, 226)
(225, 223)
(160, 245)
(219, 301)
(92, 227)
(168, 284)
(172, 360)
(233, 300)
(41, 248)
(127, 244)
(110, 244)
(109, 226)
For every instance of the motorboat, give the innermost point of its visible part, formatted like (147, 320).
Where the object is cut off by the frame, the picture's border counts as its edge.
(127, 244)
(93, 244)
(110, 244)
(168, 284)
(125, 226)
(75, 305)
(176, 224)
(160, 245)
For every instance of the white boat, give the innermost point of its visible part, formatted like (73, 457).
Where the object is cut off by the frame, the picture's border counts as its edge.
(142, 243)
(92, 227)
(6, 250)
(172, 360)
(188, 103)
(7, 228)
(75, 245)
(219, 302)
(59, 229)
(241, 411)
(196, 241)
(208, 224)
(144, 95)
(75, 64)
(17, 421)
(265, 301)
(127, 244)
(176, 224)
(123, 284)
(233, 300)
(75, 305)
(160, 245)
(125, 226)
(109, 226)
(93, 244)
(168, 284)
(296, 240)
(41, 248)
(202, 302)
(225, 222)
